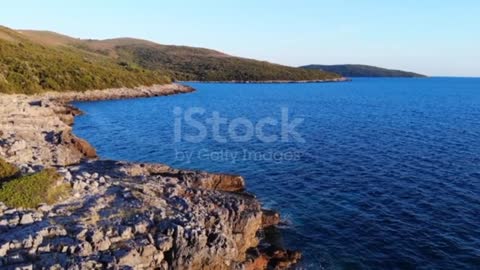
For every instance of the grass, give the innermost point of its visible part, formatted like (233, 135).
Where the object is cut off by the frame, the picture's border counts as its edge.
(31, 190)
(7, 170)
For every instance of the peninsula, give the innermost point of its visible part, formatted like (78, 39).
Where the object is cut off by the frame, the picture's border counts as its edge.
(363, 71)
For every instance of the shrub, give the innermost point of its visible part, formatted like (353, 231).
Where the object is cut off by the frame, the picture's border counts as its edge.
(31, 190)
(7, 170)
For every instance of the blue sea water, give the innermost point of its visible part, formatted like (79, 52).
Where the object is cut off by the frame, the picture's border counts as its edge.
(387, 177)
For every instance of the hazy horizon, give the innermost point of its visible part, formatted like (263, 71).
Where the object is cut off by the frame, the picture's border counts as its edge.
(431, 38)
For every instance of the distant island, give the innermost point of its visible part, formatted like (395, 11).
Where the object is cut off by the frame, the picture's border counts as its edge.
(38, 61)
(363, 71)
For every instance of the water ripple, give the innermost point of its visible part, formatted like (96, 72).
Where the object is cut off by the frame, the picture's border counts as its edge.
(389, 177)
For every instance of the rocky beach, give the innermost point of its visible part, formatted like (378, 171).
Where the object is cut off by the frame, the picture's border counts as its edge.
(122, 215)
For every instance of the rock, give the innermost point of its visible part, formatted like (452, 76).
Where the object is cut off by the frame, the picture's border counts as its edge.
(13, 222)
(226, 182)
(276, 258)
(283, 259)
(37, 241)
(81, 145)
(85, 249)
(270, 218)
(68, 176)
(141, 227)
(4, 249)
(26, 219)
(3, 224)
(128, 257)
(148, 251)
(96, 236)
(164, 243)
(259, 263)
(81, 234)
(127, 233)
(79, 185)
(103, 244)
(44, 208)
(28, 243)
(10, 211)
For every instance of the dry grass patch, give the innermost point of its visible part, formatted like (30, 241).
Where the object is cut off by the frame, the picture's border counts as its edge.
(7, 170)
(31, 190)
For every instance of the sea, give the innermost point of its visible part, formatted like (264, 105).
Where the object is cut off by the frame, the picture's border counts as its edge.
(374, 173)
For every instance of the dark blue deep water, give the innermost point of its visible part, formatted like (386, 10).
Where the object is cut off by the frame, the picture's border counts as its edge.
(388, 175)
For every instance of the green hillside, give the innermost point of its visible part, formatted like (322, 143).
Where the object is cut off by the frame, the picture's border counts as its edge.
(27, 66)
(181, 62)
(186, 63)
(362, 71)
(37, 61)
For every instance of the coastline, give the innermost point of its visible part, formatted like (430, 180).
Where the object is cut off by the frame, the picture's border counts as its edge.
(342, 79)
(124, 214)
(119, 93)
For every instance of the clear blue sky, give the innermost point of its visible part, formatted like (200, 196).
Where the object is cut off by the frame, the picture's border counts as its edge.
(435, 37)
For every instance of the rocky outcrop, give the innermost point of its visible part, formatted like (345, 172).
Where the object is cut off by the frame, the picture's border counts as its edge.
(270, 218)
(37, 129)
(33, 133)
(123, 215)
(143, 221)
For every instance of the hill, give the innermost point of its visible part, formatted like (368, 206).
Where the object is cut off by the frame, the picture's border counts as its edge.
(30, 66)
(198, 64)
(362, 71)
(182, 62)
(34, 61)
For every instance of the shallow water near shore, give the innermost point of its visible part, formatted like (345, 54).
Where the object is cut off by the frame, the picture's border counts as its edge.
(387, 176)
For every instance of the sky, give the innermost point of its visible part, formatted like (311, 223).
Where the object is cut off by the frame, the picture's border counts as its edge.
(433, 37)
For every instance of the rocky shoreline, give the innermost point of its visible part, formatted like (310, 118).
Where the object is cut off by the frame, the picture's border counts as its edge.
(123, 215)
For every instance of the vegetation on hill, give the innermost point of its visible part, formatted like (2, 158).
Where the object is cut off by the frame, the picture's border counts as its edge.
(31, 190)
(180, 62)
(29, 67)
(362, 71)
(205, 65)
(37, 61)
